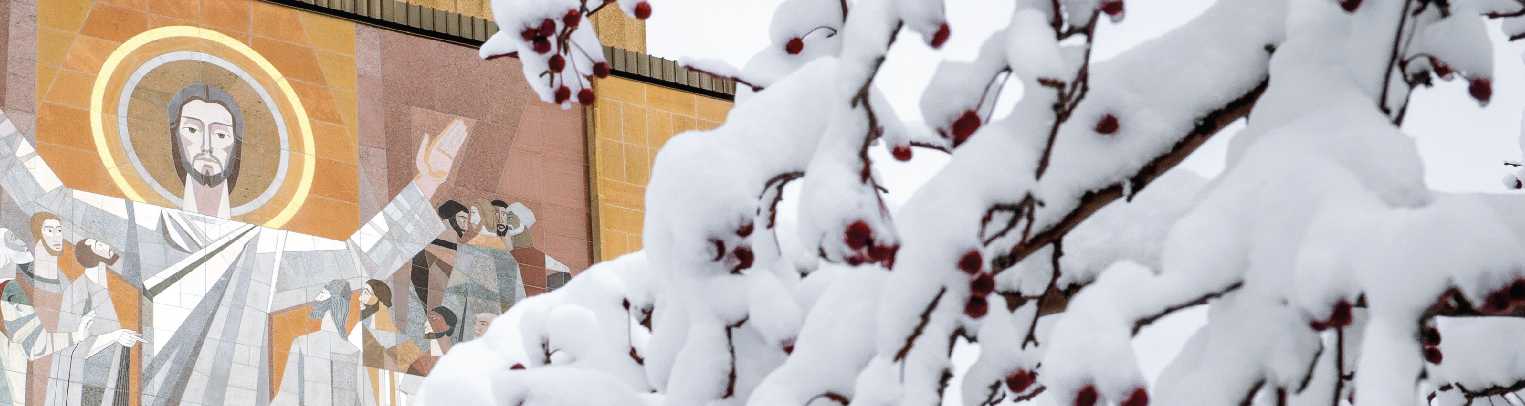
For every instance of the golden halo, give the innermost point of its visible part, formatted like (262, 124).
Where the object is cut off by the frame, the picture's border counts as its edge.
(161, 41)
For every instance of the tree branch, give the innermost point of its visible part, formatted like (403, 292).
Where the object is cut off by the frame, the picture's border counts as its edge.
(1095, 200)
(1150, 319)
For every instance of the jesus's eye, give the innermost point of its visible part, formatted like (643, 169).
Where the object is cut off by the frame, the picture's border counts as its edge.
(191, 130)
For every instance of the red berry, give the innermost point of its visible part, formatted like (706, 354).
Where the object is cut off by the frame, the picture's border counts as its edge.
(529, 34)
(1350, 6)
(1107, 125)
(557, 63)
(1139, 397)
(855, 260)
(941, 36)
(1430, 336)
(572, 18)
(982, 285)
(1432, 355)
(1318, 325)
(1481, 89)
(643, 10)
(794, 46)
(745, 230)
(971, 262)
(965, 126)
(789, 346)
(1113, 8)
(744, 255)
(585, 96)
(1087, 396)
(858, 235)
(547, 27)
(601, 69)
(977, 307)
(887, 256)
(1340, 317)
(516, 367)
(1019, 381)
(1441, 69)
(542, 45)
(902, 153)
(562, 94)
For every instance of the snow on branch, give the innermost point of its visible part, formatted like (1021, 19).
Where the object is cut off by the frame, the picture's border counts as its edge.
(1055, 233)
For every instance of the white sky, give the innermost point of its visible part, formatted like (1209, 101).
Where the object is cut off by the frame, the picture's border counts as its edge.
(1462, 145)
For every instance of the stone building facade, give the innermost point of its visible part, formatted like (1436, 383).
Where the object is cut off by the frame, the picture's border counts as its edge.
(207, 202)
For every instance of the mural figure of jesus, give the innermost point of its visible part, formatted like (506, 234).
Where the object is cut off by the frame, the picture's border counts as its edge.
(209, 284)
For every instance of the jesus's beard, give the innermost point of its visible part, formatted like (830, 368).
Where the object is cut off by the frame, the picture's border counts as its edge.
(212, 180)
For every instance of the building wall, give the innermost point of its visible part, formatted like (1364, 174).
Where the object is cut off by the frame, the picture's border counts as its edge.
(633, 119)
(330, 277)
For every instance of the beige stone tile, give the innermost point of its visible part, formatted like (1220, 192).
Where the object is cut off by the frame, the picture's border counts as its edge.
(712, 109)
(67, 15)
(662, 98)
(637, 168)
(52, 46)
(633, 125)
(619, 89)
(295, 61)
(329, 34)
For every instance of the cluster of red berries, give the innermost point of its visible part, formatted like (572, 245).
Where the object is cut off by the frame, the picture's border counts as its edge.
(860, 238)
(981, 284)
(1088, 396)
(1480, 88)
(1506, 300)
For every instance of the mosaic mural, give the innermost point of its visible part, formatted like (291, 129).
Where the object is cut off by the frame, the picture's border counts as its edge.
(220, 202)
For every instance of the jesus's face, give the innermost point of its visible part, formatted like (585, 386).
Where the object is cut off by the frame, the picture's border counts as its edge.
(207, 141)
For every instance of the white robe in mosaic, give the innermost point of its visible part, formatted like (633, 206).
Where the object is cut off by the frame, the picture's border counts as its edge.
(211, 283)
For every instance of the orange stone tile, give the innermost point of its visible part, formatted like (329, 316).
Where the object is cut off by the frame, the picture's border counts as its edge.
(295, 61)
(681, 124)
(87, 54)
(334, 142)
(637, 168)
(71, 89)
(232, 17)
(662, 98)
(633, 125)
(622, 194)
(620, 89)
(610, 159)
(337, 180)
(67, 15)
(272, 21)
(183, 9)
(77, 168)
(45, 77)
(319, 103)
(338, 70)
(326, 217)
(114, 23)
(607, 119)
(712, 109)
(633, 242)
(52, 45)
(139, 5)
(658, 128)
(329, 34)
(62, 125)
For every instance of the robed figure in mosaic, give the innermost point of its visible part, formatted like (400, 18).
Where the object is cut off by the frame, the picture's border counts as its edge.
(207, 285)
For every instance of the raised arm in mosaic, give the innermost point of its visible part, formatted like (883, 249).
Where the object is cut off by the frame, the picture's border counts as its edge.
(409, 222)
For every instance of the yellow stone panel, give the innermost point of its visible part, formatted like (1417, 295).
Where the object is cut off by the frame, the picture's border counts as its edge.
(67, 15)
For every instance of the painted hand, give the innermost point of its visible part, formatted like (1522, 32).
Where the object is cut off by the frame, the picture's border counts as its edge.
(126, 338)
(437, 155)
